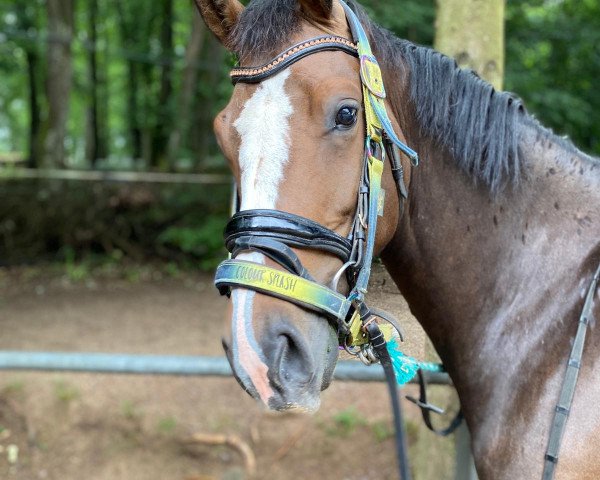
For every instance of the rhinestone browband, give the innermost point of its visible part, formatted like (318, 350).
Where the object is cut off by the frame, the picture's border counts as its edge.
(292, 55)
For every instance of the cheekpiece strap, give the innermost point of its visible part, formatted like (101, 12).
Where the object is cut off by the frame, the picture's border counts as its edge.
(373, 90)
(290, 56)
(375, 173)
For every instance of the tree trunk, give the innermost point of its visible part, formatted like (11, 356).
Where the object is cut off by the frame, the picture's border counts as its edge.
(203, 140)
(97, 122)
(188, 87)
(33, 67)
(27, 20)
(161, 130)
(148, 107)
(133, 122)
(472, 31)
(92, 147)
(59, 79)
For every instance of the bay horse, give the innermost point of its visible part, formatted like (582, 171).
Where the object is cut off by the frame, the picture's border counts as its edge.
(494, 247)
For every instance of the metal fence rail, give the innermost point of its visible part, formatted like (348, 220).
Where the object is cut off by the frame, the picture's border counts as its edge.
(165, 365)
(114, 176)
(118, 363)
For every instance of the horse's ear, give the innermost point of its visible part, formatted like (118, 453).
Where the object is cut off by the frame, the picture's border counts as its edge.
(220, 16)
(317, 10)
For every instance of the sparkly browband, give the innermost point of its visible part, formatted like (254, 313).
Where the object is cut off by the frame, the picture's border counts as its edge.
(292, 55)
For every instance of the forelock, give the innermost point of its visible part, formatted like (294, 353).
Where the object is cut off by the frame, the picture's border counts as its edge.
(264, 28)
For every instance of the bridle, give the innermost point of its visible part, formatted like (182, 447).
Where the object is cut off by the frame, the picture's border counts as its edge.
(273, 233)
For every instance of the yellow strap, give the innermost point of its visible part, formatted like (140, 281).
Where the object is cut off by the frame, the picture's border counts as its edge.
(358, 336)
(282, 284)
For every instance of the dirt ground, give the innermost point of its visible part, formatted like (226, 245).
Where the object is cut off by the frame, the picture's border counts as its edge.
(65, 426)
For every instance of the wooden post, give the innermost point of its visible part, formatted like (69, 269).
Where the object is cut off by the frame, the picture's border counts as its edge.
(472, 32)
(465, 467)
(59, 78)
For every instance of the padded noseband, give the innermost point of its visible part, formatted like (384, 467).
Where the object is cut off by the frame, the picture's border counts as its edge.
(287, 228)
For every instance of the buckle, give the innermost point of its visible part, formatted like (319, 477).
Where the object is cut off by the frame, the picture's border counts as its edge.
(370, 73)
(425, 405)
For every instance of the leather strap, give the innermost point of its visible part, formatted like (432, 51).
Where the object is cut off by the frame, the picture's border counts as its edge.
(427, 408)
(374, 174)
(397, 169)
(284, 285)
(290, 56)
(373, 90)
(379, 346)
(290, 229)
(276, 251)
(561, 412)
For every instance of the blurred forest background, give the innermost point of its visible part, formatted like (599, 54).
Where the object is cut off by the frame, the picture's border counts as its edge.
(104, 85)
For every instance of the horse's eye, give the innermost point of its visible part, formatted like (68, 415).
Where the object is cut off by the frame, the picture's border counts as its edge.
(346, 117)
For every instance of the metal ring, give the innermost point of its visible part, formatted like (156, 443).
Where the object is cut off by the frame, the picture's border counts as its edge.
(352, 350)
(338, 275)
(364, 359)
(361, 220)
(371, 355)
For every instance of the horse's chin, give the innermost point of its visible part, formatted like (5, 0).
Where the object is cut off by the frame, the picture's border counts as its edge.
(303, 407)
(307, 402)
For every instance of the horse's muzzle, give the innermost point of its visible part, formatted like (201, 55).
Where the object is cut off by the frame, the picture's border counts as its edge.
(299, 365)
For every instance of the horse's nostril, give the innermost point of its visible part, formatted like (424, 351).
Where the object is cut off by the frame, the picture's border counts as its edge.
(291, 358)
(292, 366)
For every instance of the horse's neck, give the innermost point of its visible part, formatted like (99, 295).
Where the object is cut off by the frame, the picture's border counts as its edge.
(482, 275)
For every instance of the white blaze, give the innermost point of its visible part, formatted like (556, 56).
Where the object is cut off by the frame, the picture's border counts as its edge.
(263, 127)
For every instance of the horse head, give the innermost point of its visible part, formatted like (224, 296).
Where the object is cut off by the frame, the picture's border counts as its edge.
(293, 133)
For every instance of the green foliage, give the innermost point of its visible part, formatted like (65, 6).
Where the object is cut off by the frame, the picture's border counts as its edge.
(553, 62)
(129, 44)
(412, 20)
(203, 241)
(166, 425)
(76, 271)
(66, 392)
(382, 430)
(74, 221)
(130, 410)
(345, 422)
(14, 387)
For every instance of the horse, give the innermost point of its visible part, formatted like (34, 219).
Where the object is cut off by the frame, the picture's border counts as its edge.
(494, 247)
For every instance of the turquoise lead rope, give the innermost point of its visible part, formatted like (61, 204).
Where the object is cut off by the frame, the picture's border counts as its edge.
(406, 367)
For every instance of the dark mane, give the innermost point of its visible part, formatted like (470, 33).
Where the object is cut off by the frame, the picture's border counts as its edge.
(454, 107)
